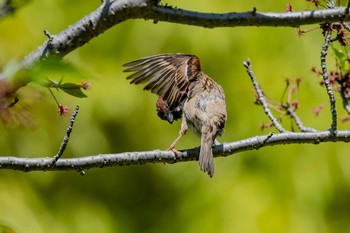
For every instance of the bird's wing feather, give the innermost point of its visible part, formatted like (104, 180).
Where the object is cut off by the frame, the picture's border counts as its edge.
(167, 75)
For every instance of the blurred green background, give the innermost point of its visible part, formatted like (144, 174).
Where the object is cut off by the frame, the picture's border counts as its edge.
(295, 188)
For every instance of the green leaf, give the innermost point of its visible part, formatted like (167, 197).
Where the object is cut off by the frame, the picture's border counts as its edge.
(341, 57)
(69, 86)
(72, 89)
(75, 92)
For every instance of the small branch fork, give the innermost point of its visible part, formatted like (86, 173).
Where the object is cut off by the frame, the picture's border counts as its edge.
(288, 108)
(266, 108)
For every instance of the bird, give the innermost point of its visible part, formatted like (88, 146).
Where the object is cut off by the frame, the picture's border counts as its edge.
(184, 91)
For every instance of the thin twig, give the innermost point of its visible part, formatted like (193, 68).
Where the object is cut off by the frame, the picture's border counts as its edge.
(298, 122)
(49, 36)
(54, 97)
(66, 137)
(261, 97)
(264, 141)
(326, 81)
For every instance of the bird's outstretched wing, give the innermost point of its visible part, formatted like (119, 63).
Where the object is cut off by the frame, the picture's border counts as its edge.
(167, 75)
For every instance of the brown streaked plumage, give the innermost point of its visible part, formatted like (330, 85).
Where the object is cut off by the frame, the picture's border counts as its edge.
(184, 91)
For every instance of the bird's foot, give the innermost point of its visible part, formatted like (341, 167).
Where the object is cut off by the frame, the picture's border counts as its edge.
(176, 152)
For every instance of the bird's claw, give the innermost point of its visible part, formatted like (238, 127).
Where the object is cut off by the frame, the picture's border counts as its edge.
(176, 152)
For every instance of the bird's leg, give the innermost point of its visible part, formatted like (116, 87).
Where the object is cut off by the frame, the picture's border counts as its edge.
(182, 132)
(216, 142)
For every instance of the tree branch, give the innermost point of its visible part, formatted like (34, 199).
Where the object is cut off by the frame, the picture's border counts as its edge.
(250, 18)
(111, 13)
(66, 137)
(298, 122)
(158, 156)
(262, 100)
(326, 81)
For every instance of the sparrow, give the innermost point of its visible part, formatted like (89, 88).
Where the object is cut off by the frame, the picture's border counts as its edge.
(184, 91)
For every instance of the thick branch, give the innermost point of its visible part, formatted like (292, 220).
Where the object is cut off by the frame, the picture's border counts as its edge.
(250, 18)
(158, 156)
(111, 13)
(104, 17)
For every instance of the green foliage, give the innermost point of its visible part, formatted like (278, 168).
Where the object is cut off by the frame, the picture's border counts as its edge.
(69, 88)
(341, 57)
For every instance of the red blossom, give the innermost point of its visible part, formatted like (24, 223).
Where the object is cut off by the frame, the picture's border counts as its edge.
(333, 76)
(63, 110)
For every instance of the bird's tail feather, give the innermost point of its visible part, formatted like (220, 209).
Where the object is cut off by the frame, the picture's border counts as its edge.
(206, 161)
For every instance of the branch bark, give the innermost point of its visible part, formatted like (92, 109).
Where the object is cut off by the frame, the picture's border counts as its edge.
(111, 13)
(250, 18)
(158, 156)
(326, 81)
